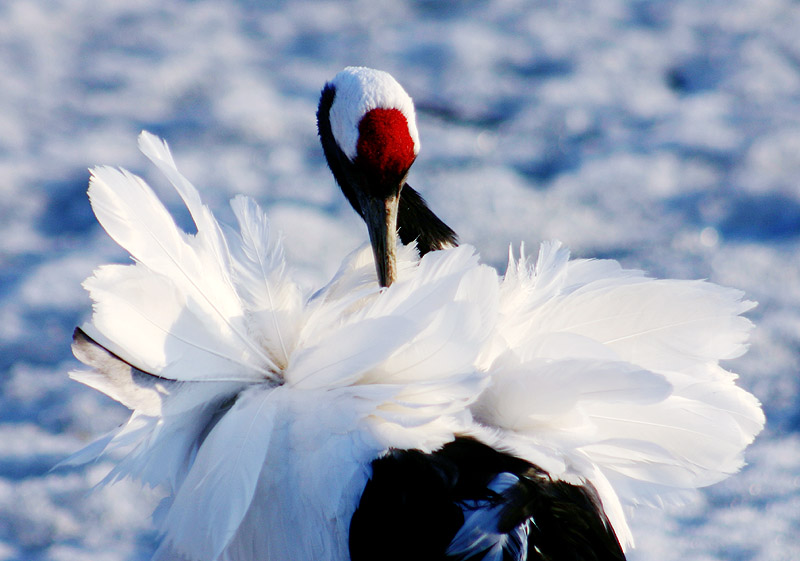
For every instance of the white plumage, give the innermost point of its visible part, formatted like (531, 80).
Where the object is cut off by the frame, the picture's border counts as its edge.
(259, 407)
(602, 374)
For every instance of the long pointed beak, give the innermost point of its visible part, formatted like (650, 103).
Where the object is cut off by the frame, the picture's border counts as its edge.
(381, 218)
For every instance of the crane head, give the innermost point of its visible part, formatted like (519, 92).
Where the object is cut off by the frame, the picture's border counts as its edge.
(369, 135)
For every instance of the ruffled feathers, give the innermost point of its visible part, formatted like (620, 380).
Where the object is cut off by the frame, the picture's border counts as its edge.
(256, 404)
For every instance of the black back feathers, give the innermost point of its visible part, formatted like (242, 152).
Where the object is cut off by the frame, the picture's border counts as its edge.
(415, 504)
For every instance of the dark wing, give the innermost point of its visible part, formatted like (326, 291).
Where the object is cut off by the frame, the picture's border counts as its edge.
(471, 502)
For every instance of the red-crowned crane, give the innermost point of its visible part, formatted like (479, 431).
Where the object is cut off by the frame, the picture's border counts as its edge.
(419, 406)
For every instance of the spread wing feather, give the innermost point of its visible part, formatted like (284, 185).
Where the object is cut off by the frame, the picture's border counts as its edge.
(591, 371)
(190, 282)
(227, 367)
(618, 374)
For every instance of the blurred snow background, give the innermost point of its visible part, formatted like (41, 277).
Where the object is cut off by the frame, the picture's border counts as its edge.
(665, 134)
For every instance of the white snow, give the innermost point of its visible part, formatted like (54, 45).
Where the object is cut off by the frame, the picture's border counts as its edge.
(664, 134)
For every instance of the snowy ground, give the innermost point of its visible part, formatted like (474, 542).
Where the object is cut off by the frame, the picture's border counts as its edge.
(665, 134)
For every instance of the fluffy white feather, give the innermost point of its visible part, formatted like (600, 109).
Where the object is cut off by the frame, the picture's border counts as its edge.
(224, 472)
(608, 376)
(272, 305)
(259, 408)
(195, 289)
(256, 405)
